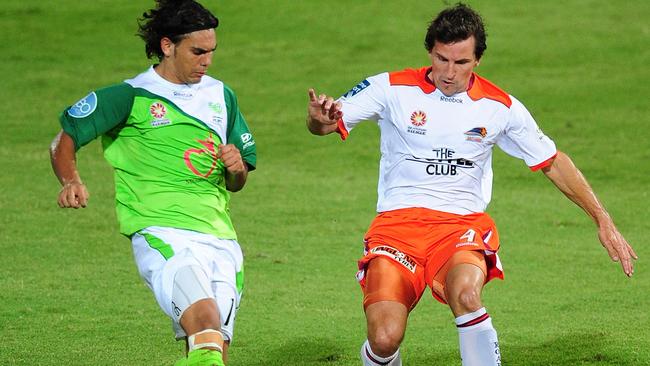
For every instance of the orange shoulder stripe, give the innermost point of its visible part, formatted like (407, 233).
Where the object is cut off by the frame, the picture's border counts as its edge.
(412, 77)
(482, 88)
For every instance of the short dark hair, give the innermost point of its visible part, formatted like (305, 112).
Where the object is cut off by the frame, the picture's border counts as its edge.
(173, 19)
(456, 24)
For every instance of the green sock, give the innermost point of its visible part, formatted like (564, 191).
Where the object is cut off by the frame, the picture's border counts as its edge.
(204, 357)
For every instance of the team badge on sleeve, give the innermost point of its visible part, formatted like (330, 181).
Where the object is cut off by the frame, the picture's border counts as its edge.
(357, 89)
(84, 107)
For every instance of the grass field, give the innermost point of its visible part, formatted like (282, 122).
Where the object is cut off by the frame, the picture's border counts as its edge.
(69, 290)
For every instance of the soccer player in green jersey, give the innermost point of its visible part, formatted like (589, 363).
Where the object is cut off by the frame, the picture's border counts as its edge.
(178, 144)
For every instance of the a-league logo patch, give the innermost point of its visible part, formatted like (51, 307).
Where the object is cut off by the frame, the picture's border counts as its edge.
(85, 107)
(157, 110)
(418, 118)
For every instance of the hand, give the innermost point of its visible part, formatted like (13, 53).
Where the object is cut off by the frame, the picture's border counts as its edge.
(73, 195)
(617, 247)
(231, 157)
(323, 109)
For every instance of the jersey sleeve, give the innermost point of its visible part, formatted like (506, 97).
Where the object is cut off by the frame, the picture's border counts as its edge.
(366, 101)
(97, 113)
(238, 132)
(523, 139)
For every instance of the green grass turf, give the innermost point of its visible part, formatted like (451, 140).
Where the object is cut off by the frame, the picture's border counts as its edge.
(69, 290)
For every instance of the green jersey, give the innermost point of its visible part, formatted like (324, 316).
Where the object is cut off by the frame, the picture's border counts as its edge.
(162, 141)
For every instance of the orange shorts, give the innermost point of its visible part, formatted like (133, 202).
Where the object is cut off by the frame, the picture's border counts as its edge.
(419, 242)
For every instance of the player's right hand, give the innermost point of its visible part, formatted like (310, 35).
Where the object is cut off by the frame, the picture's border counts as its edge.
(73, 195)
(323, 108)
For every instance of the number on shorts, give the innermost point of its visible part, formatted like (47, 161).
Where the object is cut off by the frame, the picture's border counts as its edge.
(469, 235)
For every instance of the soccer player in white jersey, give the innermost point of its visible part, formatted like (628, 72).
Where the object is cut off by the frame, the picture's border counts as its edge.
(438, 126)
(178, 144)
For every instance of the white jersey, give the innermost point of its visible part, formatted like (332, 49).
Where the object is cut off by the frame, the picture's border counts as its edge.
(436, 151)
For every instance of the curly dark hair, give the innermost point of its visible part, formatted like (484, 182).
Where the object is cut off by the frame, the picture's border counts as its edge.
(457, 24)
(172, 19)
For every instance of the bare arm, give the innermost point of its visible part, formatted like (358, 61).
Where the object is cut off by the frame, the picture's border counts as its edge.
(564, 174)
(73, 193)
(236, 168)
(323, 114)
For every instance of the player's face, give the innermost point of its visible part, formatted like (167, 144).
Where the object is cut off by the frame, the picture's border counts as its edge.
(188, 60)
(452, 65)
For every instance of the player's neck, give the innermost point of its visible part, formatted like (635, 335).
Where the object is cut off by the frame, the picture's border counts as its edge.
(167, 72)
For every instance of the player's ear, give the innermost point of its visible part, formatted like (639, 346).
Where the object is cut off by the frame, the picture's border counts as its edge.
(166, 46)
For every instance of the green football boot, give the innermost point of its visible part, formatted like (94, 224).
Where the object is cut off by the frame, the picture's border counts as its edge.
(204, 357)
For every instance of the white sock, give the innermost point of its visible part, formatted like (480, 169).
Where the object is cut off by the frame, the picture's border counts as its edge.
(369, 358)
(479, 345)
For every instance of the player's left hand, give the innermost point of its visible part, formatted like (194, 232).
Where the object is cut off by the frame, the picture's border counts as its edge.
(617, 247)
(231, 157)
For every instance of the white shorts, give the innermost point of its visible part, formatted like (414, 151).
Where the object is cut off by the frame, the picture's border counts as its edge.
(161, 251)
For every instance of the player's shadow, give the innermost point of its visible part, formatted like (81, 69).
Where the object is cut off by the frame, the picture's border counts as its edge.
(567, 350)
(572, 349)
(307, 351)
(578, 348)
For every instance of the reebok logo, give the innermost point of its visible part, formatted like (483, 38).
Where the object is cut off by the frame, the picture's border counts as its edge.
(450, 99)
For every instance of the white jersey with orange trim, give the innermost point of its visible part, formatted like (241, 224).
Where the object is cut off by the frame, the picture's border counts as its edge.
(436, 150)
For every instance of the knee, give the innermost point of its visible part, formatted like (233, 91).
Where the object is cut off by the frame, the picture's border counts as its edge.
(385, 340)
(201, 315)
(463, 288)
(465, 300)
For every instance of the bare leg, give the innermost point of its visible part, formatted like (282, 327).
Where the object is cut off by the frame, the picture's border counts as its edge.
(479, 345)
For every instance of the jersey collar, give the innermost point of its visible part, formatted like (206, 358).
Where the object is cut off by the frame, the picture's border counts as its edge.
(478, 87)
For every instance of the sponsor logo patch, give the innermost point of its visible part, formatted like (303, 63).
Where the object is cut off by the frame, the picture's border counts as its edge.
(357, 89)
(247, 139)
(207, 152)
(398, 256)
(84, 107)
(443, 163)
(476, 134)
